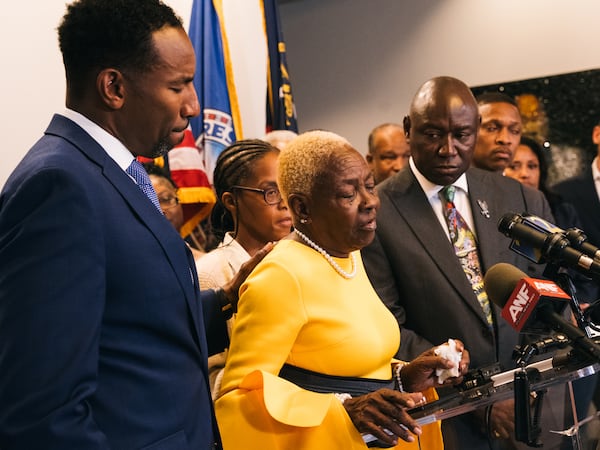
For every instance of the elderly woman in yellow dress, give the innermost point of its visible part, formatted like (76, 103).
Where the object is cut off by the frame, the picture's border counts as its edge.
(310, 363)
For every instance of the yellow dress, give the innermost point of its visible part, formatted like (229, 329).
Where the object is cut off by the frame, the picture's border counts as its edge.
(295, 308)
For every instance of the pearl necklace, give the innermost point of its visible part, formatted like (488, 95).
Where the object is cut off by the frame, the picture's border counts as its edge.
(327, 256)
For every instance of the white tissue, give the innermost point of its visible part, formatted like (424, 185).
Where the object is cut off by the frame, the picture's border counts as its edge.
(448, 351)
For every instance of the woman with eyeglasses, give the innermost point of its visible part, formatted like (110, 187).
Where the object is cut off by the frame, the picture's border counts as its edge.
(248, 214)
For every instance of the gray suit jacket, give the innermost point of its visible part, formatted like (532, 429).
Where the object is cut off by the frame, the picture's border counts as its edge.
(414, 269)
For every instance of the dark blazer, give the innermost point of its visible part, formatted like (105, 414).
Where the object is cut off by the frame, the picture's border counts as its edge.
(415, 271)
(567, 216)
(581, 193)
(103, 332)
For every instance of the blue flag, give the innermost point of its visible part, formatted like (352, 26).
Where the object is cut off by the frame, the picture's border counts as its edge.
(220, 121)
(218, 124)
(281, 112)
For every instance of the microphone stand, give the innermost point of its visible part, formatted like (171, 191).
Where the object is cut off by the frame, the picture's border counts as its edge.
(527, 413)
(528, 405)
(561, 277)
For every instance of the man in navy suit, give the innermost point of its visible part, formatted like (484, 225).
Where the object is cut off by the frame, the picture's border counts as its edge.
(103, 331)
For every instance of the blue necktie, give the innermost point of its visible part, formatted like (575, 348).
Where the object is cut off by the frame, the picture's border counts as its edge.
(139, 174)
(465, 247)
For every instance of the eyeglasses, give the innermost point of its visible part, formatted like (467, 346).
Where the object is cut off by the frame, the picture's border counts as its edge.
(168, 202)
(272, 196)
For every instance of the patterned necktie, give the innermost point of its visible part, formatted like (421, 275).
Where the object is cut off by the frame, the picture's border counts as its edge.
(137, 171)
(465, 247)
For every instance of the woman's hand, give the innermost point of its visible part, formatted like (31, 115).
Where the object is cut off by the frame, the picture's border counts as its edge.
(385, 409)
(232, 287)
(420, 373)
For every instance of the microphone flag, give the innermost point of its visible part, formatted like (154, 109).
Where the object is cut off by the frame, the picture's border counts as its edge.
(530, 304)
(527, 294)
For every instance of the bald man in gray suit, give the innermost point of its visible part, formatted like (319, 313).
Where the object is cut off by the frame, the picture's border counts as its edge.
(412, 262)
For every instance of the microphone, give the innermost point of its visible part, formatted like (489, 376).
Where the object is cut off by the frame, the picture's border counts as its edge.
(524, 246)
(547, 245)
(529, 303)
(576, 237)
(518, 296)
(579, 240)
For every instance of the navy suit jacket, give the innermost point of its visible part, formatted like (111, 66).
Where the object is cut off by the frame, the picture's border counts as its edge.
(103, 331)
(581, 193)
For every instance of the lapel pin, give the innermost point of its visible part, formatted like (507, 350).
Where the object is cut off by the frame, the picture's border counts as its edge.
(483, 206)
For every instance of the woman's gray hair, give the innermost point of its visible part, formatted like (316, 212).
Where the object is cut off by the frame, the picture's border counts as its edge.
(306, 158)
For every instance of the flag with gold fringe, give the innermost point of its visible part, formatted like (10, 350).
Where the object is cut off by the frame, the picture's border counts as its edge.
(240, 65)
(242, 78)
(184, 165)
(194, 190)
(219, 123)
(281, 112)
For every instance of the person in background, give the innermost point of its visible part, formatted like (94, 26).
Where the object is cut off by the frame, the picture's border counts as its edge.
(499, 132)
(310, 363)
(388, 150)
(529, 167)
(279, 138)
(166, 191)
(419, 264)
(104, 334)
(249, 213)
(583, 192)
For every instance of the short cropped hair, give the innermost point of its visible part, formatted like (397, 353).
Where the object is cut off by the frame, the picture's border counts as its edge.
(377, 129)
(96, 34)
(495, 97)
(306, 159)
(272, 137)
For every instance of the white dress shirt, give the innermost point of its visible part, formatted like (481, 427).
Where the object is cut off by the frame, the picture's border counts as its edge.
(596, 175)
(461, 198)
(111, 145)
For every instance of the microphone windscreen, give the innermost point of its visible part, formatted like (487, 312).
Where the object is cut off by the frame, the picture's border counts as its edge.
(500, 281)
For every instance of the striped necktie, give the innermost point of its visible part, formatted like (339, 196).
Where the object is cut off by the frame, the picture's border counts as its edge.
(139, 174)
(465, 247)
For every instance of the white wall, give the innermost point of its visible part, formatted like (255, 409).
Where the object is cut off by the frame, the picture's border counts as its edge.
(353, 63)
(32, 75)
(357, 63)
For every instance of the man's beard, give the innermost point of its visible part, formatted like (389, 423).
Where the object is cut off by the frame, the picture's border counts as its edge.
(161, 148)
